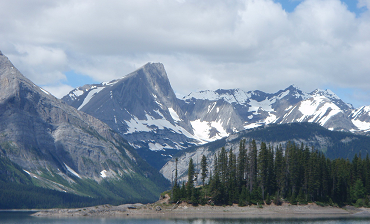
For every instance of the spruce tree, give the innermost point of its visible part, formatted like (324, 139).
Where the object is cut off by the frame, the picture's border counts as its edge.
(252, 162)
(280, 171)
(190, 184)
(263, 168)
(204, 168)
(241, 164)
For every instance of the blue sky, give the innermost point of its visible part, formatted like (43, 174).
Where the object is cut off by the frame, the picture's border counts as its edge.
(290, 5)
(248, 44)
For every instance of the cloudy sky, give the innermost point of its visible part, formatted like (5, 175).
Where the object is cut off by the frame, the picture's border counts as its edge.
(248, 44)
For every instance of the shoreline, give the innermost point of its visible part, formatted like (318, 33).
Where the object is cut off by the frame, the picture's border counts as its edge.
(186, 211)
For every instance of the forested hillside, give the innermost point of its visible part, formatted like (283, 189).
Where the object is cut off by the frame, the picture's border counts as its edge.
(296, 173)
(333, 144)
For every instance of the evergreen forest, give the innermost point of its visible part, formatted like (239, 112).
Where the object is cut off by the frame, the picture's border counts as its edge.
(296, 174)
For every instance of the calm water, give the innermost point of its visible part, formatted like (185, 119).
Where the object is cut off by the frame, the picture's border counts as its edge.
(24, 218)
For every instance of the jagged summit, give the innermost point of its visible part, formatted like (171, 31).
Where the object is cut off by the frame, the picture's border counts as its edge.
(141, 102)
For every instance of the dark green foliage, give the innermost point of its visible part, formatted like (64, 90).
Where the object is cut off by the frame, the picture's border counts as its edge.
(203, 166)
(17, 191)
(266, 175)
(190, 184)
(20, 196)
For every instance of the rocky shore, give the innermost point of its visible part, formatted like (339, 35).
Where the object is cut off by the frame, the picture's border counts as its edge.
(183, 210)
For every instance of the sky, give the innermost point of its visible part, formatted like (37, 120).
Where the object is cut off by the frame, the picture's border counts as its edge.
(264, 45)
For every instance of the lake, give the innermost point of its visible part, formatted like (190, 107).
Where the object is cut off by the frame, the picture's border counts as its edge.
(25, 218)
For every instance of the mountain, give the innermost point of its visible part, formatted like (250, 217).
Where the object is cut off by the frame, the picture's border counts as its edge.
(143, 108)
(256, 108)
(65, 149)
(335, 144)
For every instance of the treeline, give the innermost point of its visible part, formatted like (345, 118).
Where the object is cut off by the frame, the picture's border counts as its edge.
(296, 174)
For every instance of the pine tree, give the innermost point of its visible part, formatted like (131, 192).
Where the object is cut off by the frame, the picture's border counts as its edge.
(263, 168)
(222, 162)
(252, 162)
(271, 178)
(232, 191)
(204, 168)
(190, 184)
(176, 193)
(241, 165)
(280, 171)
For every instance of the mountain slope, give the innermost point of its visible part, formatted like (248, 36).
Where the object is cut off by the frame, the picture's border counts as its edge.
(140, 103)
(65, 149)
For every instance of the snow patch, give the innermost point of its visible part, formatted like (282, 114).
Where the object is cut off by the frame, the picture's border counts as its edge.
(252, 125)
(78, 92)
(111, 83)
(270, 119)
(232, 96)
(283, 94)
(72, 171)
(103, 173)
(362, 125)
(46, 92)
(90, 95)
(202, 130)
(264, 105)
(155, 147)
(32, 175)
(174, 115)
(151, 124)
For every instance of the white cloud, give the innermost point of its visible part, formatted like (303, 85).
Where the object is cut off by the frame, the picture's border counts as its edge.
(58, 90)
(43, 65)
(363, 3)
(250, 44)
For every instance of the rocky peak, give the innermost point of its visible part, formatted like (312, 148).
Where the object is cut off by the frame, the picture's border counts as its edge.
(332, 97)
(46, 136)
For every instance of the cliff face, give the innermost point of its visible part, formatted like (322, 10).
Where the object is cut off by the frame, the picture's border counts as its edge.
(45, 136)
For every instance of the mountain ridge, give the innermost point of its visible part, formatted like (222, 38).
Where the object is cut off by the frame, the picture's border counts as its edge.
(153, 119)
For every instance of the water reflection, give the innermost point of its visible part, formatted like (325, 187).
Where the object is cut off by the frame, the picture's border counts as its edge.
(24, 218)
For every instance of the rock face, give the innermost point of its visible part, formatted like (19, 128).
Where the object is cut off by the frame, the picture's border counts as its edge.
(141, 106)
(49, 138)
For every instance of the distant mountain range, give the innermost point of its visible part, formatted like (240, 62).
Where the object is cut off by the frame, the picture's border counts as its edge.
(64, 149)
(143, 108)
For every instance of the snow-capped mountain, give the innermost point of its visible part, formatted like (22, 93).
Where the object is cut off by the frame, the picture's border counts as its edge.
(360, 118)
(142, 107)
(256, 108)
